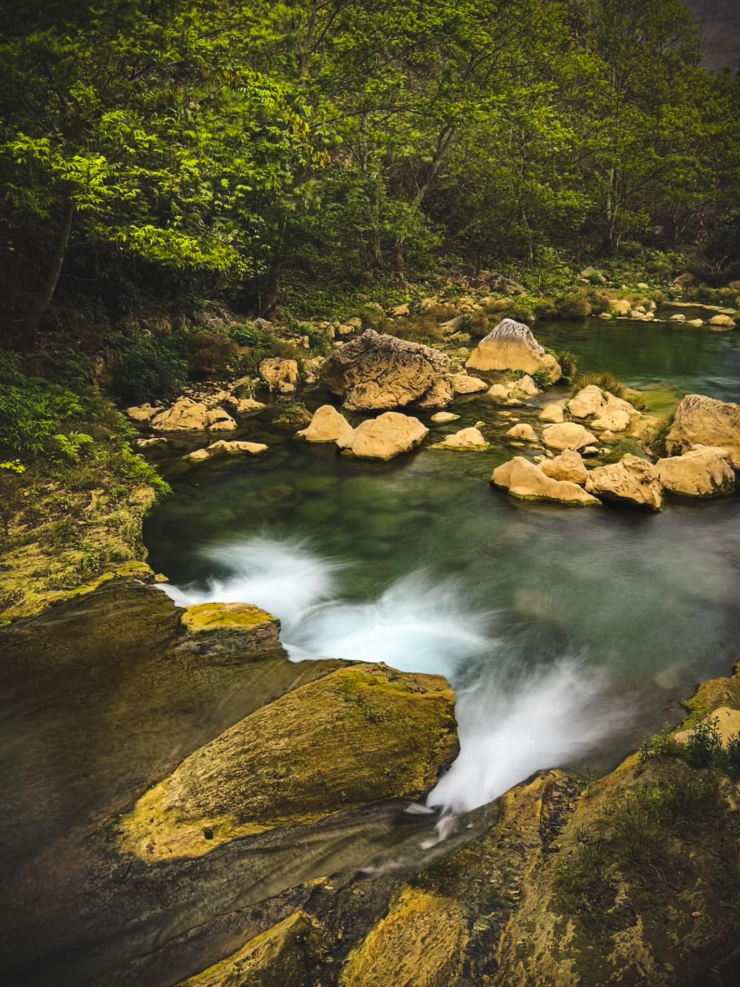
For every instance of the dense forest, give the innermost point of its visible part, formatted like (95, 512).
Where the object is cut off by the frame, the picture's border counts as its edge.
(181, 150)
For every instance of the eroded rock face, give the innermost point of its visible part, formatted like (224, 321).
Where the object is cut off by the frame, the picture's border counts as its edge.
(466, 384)
(280, 375)
(299, 759)
(630, 481)
(527, 481)
(384, 437)
(224, 448)
(376, 372)
(703, 421)
(568, 435)
(327, 425)
(511, 346)
(567, 466)
(704, 472)
(466, 438)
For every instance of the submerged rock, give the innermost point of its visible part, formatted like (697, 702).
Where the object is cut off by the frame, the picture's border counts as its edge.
(375, 372)
(299, 759)
(702, 421)
(568, 435)
(511, 346)
(224, 448)
(466, 438)
(567, 466)
(630, 481)
(527, 481)
(384, 437)
(327, 425)
(280, 375)
(704, 472)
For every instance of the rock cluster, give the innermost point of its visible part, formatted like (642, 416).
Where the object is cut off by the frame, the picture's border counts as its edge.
(527, 481)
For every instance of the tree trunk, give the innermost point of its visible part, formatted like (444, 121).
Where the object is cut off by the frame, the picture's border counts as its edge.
(45, 293)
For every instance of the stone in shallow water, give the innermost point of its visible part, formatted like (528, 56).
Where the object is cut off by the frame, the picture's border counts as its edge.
(384, 437)
(567, 466)
(552, 413)
(523, 432)
(224, 448)
(704, 421)
(527, 481)
(511, 346)
(442, 417)
(704, 472)
(466, 384)
(466, 438)
(630, 481)
(327, 425)
(568, 435)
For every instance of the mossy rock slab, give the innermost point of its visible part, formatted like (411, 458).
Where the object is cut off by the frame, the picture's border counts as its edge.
(283, 956)
(229, 629)
(356, 737)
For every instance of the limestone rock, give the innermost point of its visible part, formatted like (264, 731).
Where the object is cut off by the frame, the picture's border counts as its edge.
(185, 415)
(704, 472)
(695, 322)
(442, 417)
(679, 317)
(280, 375)
(513, 392)
(324, 747)
(616, 421)
(244, 406)
(527, 481)
(327, 425)
(621, 307)
(400, 311)
(522, 432)
(589, 401)
(283, 956)
(142, 414)
(605, 317)
(150, 443)
(224, 448)
(465, 384)
(218, 420)
(728, 725)
(233, 629)
(439, 395)
(375, 372)
(590, 451)
(568, 435)
(567, 466)
(511, 346)
(466, 438)
(722, 322)
(703, 421)
(630, 481)
(552, 413)
(384, 437)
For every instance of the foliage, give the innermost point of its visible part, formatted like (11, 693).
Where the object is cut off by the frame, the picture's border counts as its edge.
(71, 446)
(703, 749)
(568, 364)
(148, 368)
(32, 410)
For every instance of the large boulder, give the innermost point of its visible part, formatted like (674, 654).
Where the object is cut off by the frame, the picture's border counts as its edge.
(280, 375)
(527, 481)
(466, 439)
(224, 448)
(702, 421)
(568, 435)
(567, 466)
(630, 481)
(511, 346)
(384, 437)
(375, 372)
(327, 425)
(185, 415)
(703, 472)
(355, 737)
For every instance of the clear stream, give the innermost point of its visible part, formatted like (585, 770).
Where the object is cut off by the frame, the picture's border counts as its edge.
(568, 634)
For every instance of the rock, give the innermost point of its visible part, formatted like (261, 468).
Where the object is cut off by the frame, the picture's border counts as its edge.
(442, 417)
(568, 435)
(283, 956)
(567, 466)
(704, 472)
(465, 384)
(345, 329)
(552, 413)
(224, 448)
(400, 311)
(527, 481)
(608, 436)
(150, 443)
(590, 451)
(511, 346)
(727, 723)
(680, 317)
(466, 438)
(439, 395)
(324, 747)
(229, 629)
(695, 322)
(426, 304)
(523, 432)
(313, 368)
(384, 437)
(616, 421)
(630, 481)
(327, 425)
(218, 420)
(722, 322)
(589, 401)
(605, 317)
(355, 322)
(142, 414)
(702, 421)
(643, 286)
(375, 371)
(185, 415)
(621, 307)
(280, 375)
(244, 406)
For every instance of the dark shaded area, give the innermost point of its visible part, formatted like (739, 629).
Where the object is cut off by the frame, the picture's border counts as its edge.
(720, 20)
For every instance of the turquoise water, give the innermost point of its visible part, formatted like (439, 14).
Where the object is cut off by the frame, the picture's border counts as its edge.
(610, 615)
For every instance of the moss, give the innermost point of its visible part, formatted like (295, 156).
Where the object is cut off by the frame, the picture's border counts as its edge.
(209, 617)
(357, 736)
(283, 956)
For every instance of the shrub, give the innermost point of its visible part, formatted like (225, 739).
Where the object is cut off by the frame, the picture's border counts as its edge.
(148, 368)
(208, 353)
(574, 307)
(542, 379)
(568, 364)
(32, 410)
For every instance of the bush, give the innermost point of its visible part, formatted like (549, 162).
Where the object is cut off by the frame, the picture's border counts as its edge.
(32, 410)
(574, 307)
(148, 368)
(568, 364)
(208, 353)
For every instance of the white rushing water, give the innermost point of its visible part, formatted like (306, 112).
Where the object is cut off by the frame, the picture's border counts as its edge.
(511, 723)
